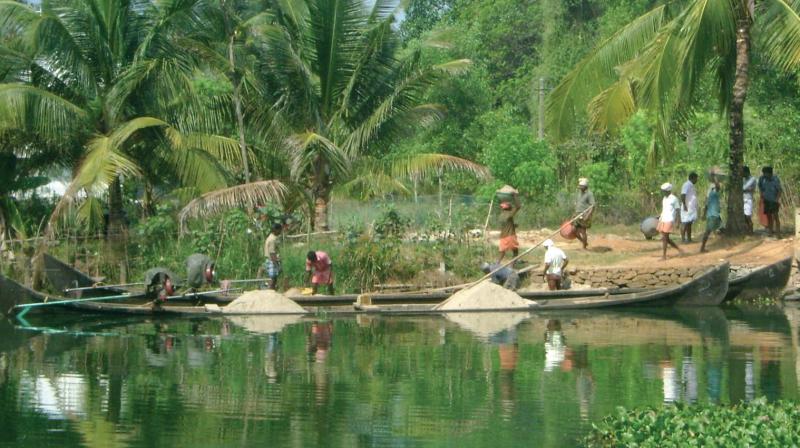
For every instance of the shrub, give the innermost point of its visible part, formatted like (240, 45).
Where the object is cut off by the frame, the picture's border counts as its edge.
(757, 423)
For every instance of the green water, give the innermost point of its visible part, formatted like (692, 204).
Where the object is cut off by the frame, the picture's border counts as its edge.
(473, 380)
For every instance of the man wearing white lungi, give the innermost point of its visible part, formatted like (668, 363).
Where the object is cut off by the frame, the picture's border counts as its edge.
(688, 207)
(748, 188)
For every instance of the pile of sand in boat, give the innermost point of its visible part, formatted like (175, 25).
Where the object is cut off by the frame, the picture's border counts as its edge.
(483, 296)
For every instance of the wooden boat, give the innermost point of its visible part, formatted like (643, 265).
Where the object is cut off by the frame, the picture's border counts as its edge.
(63, 276)
(764, 281)
(709, 288)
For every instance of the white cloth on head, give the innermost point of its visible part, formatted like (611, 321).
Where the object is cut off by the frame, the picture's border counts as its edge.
(583, 182)
(547, 243)
(690, 214)
(666, 186)
(555, 257)
(668, 207)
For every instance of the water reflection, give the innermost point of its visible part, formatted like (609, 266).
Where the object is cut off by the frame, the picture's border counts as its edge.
(465, 379)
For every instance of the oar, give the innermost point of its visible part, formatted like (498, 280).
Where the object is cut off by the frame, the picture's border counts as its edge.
(100, 286)
(22, 309)
(195, 294)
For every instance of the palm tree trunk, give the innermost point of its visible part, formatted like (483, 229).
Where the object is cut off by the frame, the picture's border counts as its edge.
(736, 223)
(237, 104)
(321, 192)
(117, 229)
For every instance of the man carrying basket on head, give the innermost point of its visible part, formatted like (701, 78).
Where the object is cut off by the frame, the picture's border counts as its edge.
(584, 207)
(508, 229)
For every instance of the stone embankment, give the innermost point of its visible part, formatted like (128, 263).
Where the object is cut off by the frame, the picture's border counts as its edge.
(635, 277)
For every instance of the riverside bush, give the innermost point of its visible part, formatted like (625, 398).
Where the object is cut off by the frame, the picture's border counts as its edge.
(757, 423)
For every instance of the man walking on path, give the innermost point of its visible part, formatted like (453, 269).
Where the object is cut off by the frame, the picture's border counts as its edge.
(555, 264)
(584, 202)
(748, 188)
(508, 229)
(770, 187)
(670, 209)
(688, 207)
(712, 212)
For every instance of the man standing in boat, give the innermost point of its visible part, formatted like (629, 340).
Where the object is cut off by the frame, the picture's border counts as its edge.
(555, 265)
(508, 229)
(272, 263)
(670, 211)
(584, 206)
(320, 270)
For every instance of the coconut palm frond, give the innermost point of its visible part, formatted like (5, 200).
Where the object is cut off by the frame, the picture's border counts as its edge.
(90, 214)
(38, 111)
(295, 11)
(307, 147)
(197, 168)
(779, 32)
(103, 162)
(612, 107)
(224, 149)
(592, 74)
(248, 195)
(422, 165)
(370, 184)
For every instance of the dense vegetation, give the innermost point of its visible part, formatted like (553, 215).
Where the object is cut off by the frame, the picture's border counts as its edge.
(757, 423)
(146, 107)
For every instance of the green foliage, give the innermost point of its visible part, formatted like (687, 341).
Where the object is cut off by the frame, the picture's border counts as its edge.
(757, 423)
(391, 223)
(515, 158)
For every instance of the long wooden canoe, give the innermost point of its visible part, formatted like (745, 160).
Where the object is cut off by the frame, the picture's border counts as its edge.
(63, 276)
(764, 281)
(709, 288)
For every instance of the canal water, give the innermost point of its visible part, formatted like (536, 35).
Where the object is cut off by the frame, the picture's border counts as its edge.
(470, 380)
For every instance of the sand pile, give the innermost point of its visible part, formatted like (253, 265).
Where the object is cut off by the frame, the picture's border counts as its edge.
(263, 302)
(484, 296)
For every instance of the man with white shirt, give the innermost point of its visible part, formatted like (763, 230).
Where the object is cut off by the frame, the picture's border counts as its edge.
(688, 207)
(670, 209)
(555, 264)
(748, 188)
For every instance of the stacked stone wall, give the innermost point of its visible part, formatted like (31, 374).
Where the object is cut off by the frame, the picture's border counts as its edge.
(635, 277)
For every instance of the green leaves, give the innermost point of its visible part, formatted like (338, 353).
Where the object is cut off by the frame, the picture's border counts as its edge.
(757, 423)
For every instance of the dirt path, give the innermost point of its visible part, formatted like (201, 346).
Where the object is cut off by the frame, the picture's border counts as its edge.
(628, 249)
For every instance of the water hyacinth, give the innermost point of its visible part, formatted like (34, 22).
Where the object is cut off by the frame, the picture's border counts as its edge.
(757, 423)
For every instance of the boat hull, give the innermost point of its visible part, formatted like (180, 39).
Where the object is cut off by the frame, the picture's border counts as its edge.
(765, 281)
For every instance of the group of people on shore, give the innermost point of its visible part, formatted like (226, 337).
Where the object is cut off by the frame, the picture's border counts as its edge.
(684, 210)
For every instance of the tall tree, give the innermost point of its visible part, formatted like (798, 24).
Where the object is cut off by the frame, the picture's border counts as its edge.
(658, 61)
(108, 75)
(340, 87)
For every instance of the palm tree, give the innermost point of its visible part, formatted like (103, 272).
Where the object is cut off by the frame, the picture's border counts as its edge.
(657, 62)
(339, 89)
(108, 75)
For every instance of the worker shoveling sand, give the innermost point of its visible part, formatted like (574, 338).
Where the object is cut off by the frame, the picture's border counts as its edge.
(484, 296)
(263, 302)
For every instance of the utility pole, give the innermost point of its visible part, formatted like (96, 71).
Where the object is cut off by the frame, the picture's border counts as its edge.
(541, 109)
